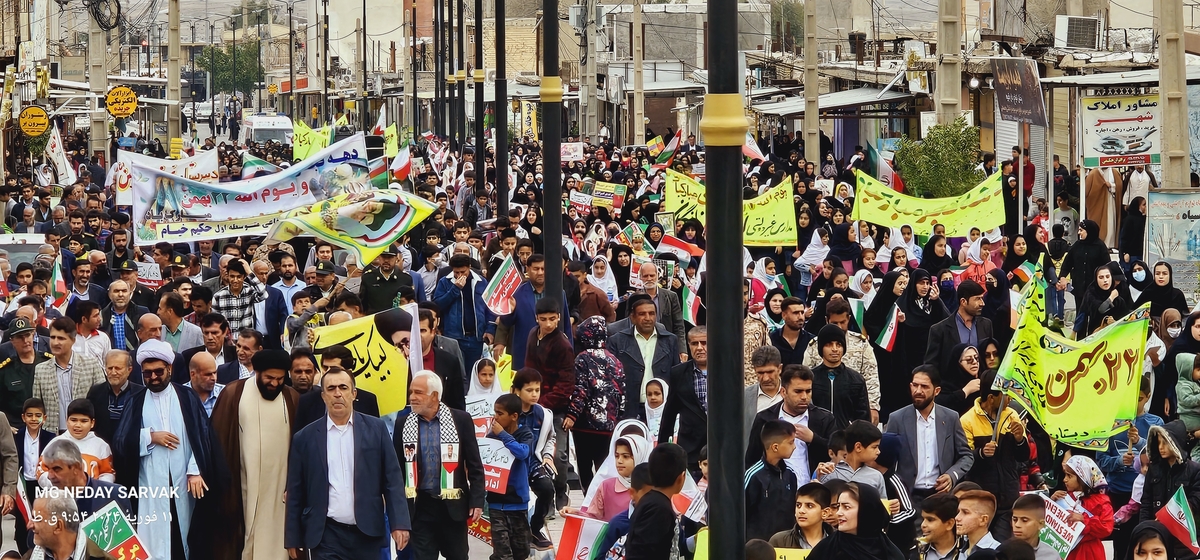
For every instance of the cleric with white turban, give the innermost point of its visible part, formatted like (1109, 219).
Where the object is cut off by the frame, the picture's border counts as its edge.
(155, 350)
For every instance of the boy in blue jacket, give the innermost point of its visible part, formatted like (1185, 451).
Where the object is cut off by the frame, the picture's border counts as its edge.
(509, 511)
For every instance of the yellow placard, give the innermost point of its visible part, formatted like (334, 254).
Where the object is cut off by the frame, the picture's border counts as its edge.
(391, 141)
(379, 367)
(34, 121)
(768, 220)
(121, 101)
(684, 196)
(505, 373)
(791, 554)
(981, 207)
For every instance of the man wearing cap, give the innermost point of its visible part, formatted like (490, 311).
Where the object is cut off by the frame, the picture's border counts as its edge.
(381, 284)
(139, 294)
(178, 265)
(236, 300)
(82, 288)
(250, 426)
(326, 281)
(164, 442)
(65, 378)
(16, 373)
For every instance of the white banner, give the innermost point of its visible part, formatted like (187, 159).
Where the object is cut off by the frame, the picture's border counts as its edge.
(497, 463)
(201, 167)
(56, 154)
(175, 209)
(1119, 131)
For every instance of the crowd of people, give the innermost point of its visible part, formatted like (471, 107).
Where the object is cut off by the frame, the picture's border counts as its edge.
(208, 384)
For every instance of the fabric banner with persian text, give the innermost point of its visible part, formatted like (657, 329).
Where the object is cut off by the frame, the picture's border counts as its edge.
(174, 209)
(364, 222)
(768, 220)
(381, 367)
(1081, 391)
(201, 168)
(981, 207)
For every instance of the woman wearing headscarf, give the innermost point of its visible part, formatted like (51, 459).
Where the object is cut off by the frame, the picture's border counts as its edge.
(1133, 230)
(1102, 303)
(1188, 342)
(654, 235)
(763, 280)
(1015, 257)
(997, 305)
(897, 259)
(621, 263)
(810, 262)
(842, 246)
(936, 255)
(863, 284)
(1140, 277)
(979, 262)
(960, 379)
(839, 284)
(1085, 255)
(829, 168)
(693, 232)
(598, 400)
(893, 379)
(1161, 292)
(772, 311)
(1151, 540)
(862, 521)
(863, 228)
(922, 307)
(531, 224)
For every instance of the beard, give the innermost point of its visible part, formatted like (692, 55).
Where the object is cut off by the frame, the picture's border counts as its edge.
(267, 392)
(287, 275)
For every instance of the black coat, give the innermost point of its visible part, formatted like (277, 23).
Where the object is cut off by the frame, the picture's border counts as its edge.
(820, 421)
(683, 404)
(179, 370)
(133, 314)
(468, 476)
(105, 428)
(943, 336)
(449, 368)
(845, 395)
(312, 407)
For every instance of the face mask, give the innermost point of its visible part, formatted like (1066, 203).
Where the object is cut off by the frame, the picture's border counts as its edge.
(947, 284)
(1173, 332)
(1139, 275)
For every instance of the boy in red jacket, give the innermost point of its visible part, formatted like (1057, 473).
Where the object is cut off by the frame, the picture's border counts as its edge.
(549, 351)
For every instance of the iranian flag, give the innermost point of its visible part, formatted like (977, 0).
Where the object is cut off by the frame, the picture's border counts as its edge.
(252, 165)
(750, 148)
(504, 284)
(682, 250)
(1025, 272)
(58, 285)
(691, 305)
(887, 338)
(377, 171)
(1176, 515)
(668, 154)
(381, 124)
(580, 537)
(402, 163)
(858, 309)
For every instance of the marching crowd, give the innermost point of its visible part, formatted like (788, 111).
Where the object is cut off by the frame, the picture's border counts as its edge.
(208, 389)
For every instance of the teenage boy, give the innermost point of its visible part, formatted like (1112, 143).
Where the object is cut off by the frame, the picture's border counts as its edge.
(1028, 518)
(527, 384)
(811, 500)
(549, 351)
(937, 528)
(30, 442)
(97, 455)
(652, 529)
(770, 483)
(997, 458)
(975, 511)
(862, 447)
(510, 525)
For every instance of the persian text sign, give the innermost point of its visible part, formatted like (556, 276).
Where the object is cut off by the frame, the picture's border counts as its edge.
(768, 220)
(497, 464)
(175, 209)
(1120, 130)
(1170, 219)
(381, 368)
(201, 167)
(981, 207)
(1018, 90)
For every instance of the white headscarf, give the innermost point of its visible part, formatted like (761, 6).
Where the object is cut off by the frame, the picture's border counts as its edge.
(814, 254)
(608, 282)
(974, 256)
(856, 286)
(849, 192)
(760, 273)
(864, 241)
(654, 415)
(477, 389)
(627, 427)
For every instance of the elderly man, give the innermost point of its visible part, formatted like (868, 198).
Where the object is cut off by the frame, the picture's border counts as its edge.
(270, 313)
(67, 377)
(66, 469)
(669, 311)
(254, 429)
(442, 499)
(215, 330)
(248, 343)
(120, 317)
(164, 441)
(111, 397)
(203, 374)
(56, 520)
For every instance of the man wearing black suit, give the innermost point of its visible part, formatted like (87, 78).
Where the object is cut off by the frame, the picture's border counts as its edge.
(439, 524)
(128, 314)
(110, 397)
(270, 314)
(349, 451)
(82, 286)
(312, 404)
(689, 400)
(964, 327)
(441, 362)
(813, 424)
(215, 330)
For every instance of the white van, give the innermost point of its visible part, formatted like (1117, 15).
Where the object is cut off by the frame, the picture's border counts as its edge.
(264, 127)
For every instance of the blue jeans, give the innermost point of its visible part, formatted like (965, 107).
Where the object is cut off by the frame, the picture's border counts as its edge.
(472, 350)
(1058, 302)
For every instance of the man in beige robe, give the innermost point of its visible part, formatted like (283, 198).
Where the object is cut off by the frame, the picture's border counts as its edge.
(1100, 190)
(253, 426)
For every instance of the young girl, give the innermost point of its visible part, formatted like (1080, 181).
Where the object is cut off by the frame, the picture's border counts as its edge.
(483, 380)
(614, 493)
(627, 427)
(1083, 479)
(656, 403)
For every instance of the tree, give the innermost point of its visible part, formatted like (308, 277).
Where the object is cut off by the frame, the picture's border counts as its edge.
(943, 164)
(784, 12)
(248, 72)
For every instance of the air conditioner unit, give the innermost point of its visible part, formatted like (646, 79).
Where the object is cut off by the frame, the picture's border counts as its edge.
(577, 16)
(1077, 32)
(490, 76)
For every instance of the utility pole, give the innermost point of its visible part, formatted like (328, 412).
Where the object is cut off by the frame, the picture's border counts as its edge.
(638, 126)
(292, 63)
(949, 65)
(438, 100)
(502, 185)
(416, 103)
(1173, 89)
(325, 60)
(362, 51)
(450, 75)
(461, 78)
(551, 93)
(812, 122)
(587, 91)
(98, 86)
(174, 76)
(479, 75)
(212, 69)
(258, 74)
(724, 128)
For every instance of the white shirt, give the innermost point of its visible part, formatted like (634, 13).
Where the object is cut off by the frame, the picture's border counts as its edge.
(799, 458)
(341, 470)
(1139, 185)
(766, 401)
(927, 451)
(219, 357)
(32, 454)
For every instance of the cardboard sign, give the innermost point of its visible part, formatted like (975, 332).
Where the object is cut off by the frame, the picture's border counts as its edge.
(481, 529)
(149, 275)
(497, 462)
(480, 409)
(1059, 533)
(571, 151)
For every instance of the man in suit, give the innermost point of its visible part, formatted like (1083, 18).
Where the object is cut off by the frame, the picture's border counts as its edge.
(270, 314)
(83, 372)
(641, 366)
(110, 397)
(964, 327)
(760, 396)
(442, 363)
(440, 511)
(312, 404)
(666, 302)
(935, 456)
(249, 343)
(82, 287)
(215, 330)
(120, 317)
(813, 424)
(345, 490)
(688, 402)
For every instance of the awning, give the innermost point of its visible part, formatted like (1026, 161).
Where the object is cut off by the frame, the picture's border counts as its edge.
(835, 100)
(1132, 78)
(667, 88)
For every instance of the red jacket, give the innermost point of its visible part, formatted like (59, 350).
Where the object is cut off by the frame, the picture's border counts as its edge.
(554, 358)
(1096, 527)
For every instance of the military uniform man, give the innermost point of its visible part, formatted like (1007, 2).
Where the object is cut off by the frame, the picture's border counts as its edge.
(141, 295)
(16, 374)
(382, 282)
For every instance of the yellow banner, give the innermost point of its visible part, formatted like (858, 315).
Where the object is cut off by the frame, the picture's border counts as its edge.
(380, 367)
(1081, 391)
(767, 221)
(306, 141)
(981, 207)
(528, 125)
(391, 141)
